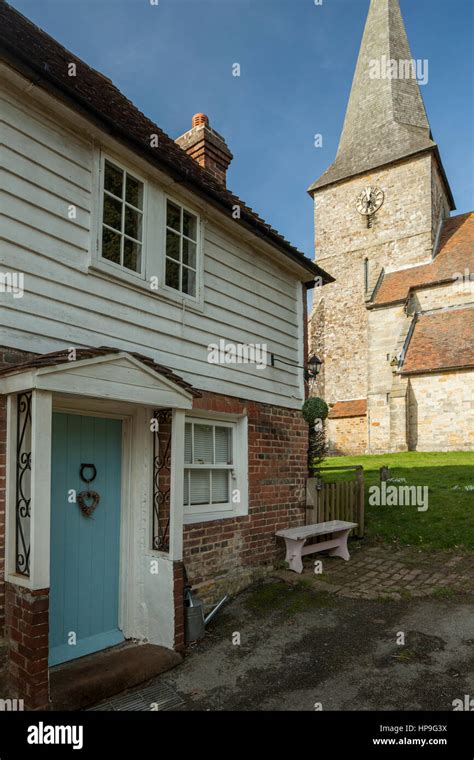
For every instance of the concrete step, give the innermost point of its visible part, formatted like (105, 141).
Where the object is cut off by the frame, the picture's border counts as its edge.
(89, 680)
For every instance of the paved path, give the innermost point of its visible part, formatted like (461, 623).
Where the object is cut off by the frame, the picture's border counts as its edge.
(355, 638)
(391, 572)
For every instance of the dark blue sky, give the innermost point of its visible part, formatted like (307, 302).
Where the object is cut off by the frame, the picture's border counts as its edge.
(297, 61)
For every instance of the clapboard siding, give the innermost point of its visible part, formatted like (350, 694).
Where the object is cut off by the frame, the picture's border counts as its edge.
(247, 298)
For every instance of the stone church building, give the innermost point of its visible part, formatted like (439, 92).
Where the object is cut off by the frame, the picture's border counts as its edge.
(396, 329)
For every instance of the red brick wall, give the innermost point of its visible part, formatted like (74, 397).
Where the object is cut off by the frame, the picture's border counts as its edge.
(7, 357)
(27, 634)
(221, 555)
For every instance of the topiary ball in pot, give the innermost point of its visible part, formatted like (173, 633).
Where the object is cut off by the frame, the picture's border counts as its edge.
(315, 409)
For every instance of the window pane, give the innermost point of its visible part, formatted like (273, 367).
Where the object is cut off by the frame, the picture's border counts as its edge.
(131, 255)
(172, 245)
(200, 487)
(113, 179)
(173, 216)
(133, 223)
(189, 253)
(223, 445)
(220, 486)
(203, 444)
(172, 274)
(188, 444)
(134, 192)
(186, 488)
(189, 282)
(111, 245)
(189, 225)
(112, 212)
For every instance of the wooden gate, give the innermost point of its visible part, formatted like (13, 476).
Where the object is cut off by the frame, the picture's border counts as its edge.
(338, 500)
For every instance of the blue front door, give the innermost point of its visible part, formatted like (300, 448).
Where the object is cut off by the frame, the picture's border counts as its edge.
(85, 550)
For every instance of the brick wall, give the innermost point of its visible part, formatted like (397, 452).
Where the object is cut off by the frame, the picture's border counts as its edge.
(222, 556)
(27, 633)
(7, 357)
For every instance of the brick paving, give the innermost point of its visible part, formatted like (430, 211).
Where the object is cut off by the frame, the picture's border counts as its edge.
(390, 572)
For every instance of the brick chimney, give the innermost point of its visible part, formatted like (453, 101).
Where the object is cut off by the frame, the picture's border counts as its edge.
(207, 147)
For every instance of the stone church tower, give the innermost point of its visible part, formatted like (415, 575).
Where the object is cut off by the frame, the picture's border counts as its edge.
(378, 208)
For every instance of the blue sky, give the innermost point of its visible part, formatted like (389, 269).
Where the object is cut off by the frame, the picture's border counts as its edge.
(297, 61)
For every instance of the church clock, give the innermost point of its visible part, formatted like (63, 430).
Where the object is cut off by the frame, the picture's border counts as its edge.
(369, 201)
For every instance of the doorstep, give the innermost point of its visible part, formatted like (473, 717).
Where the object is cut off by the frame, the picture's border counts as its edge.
(88, 680)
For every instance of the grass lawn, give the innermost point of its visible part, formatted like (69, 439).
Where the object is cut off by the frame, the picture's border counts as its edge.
(449, 521)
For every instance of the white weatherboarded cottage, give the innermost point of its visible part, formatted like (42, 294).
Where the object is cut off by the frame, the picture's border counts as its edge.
(129, 455)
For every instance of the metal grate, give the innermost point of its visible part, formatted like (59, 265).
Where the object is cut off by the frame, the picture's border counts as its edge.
(159, 697)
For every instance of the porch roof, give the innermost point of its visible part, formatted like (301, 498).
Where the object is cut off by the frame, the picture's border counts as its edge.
(103, 372)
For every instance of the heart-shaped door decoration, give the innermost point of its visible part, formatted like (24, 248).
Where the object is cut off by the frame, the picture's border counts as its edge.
(88, 501)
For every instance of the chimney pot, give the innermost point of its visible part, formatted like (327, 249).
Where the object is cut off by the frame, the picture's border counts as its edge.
(200, 118)
(207, 147)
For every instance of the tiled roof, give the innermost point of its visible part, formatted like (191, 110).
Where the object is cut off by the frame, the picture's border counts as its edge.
(441, 340)
(62, 357)
(455, 255)
(37, 55)
(355, 408)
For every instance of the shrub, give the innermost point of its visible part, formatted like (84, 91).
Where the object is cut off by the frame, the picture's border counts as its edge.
(315, 409)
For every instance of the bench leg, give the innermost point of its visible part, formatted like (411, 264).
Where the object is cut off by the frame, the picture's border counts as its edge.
(341, 550)
(293, 554)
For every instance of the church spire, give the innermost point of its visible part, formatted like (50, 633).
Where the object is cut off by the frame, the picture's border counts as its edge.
(386, 118)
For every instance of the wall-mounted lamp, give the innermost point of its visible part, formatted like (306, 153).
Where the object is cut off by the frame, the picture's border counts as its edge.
(314, 367)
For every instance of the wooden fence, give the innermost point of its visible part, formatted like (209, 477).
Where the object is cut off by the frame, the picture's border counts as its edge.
(339, 500)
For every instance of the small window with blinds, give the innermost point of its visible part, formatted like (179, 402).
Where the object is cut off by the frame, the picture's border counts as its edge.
(208, 466)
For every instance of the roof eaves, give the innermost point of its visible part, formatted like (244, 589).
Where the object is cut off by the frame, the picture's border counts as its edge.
(188, 176)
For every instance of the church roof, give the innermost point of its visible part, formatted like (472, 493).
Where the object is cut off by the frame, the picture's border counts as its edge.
(455, 255)
(42, 59)
(386, 119)
(441, 340)
(354, 408)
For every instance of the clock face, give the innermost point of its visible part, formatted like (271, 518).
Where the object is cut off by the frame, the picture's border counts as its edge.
(369, 200)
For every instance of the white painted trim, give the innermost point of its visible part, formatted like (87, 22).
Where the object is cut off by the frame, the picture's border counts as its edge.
(57, 379)
(239, 424)
(146, 603)
(100, 261)
(40, 525)
(176, 486)
(177, 295)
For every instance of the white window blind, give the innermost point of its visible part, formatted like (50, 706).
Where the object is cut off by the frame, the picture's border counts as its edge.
(209, 466)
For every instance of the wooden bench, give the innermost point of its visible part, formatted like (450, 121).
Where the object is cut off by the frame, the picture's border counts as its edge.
(296, 538)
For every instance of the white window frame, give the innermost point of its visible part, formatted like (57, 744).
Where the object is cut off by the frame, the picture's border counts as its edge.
(100, 261)
(167, 289)
(197, 513)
